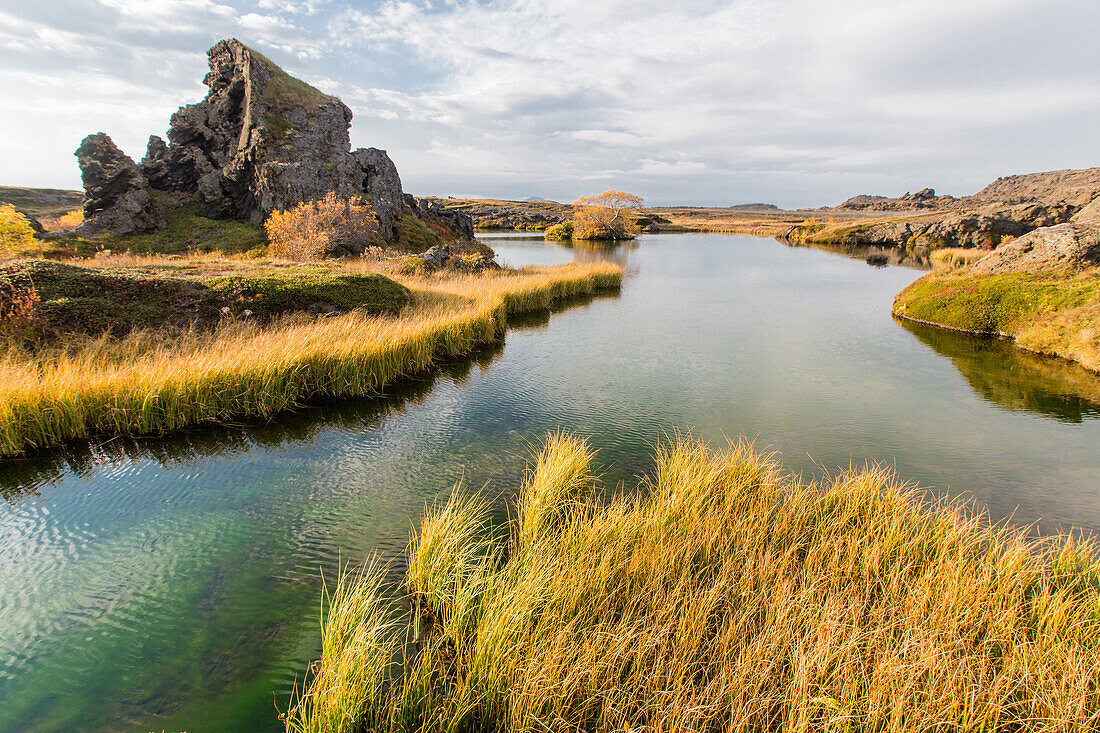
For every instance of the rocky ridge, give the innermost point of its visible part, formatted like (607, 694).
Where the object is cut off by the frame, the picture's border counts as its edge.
(260, 141)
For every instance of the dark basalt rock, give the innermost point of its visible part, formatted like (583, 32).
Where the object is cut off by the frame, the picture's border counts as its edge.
(117, 197)
(262, 141)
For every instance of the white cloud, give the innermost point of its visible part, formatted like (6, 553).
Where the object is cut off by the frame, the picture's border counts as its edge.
(799, 101)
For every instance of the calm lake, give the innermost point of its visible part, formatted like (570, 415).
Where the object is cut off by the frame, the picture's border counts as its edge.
(174, 584)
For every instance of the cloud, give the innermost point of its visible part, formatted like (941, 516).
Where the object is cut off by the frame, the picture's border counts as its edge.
(796, 101)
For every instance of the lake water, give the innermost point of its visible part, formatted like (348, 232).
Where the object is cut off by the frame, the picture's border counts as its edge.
(174, 584)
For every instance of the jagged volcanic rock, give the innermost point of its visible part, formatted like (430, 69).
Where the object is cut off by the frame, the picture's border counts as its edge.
(117, 197)
(260, 141)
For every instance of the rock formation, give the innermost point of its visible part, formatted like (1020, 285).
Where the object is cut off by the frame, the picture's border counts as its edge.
(117, 197)
(1061, 248)
(260, 141)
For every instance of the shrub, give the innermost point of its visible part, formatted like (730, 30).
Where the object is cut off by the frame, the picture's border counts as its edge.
(66, 222)
(603, 216)
(16, 234)
(314, 228)
(18, 309)
(561, 231)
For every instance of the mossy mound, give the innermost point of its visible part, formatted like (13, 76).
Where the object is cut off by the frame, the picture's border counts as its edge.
(312, 289)
(89, 300)
(992, 303)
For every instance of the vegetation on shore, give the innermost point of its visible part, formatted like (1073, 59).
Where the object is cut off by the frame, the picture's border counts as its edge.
(1050, 313)
(153, 381)
(723, 595)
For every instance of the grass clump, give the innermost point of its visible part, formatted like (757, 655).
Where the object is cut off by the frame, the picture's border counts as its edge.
(157, 381)
(1049, 313)
(727, 595)
(955, 257)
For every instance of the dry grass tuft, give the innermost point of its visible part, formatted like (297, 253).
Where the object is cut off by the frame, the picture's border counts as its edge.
(728, 596)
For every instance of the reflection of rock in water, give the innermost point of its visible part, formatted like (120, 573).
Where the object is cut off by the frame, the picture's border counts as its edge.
(874, 255)
(1008, 376)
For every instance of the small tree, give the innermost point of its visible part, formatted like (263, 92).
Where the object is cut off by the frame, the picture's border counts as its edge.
(604, 216)
(16, 234)
(315, 228)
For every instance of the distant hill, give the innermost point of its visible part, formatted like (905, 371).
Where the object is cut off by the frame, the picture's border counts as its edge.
(754, 207)
(41, 202)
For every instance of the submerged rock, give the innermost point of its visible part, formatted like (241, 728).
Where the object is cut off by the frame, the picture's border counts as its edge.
(117, 197)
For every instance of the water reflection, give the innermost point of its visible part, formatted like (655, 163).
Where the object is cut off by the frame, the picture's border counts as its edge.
(1006, 375)
(874, 255)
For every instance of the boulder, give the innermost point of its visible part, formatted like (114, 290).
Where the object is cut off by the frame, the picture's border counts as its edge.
(117, 197)
(1062, 248)
(1089, 214)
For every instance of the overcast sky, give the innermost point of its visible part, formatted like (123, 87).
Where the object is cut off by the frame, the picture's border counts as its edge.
(795, 102)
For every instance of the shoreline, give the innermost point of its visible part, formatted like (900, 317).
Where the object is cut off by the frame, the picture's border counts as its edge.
(258, 372)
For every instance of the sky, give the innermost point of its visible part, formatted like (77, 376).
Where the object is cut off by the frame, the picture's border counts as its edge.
(792, 102)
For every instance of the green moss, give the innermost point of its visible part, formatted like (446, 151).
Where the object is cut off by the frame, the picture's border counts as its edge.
(91, 300)
(991, 303)
(307, 287)
(87, 300)
(416, 235)
(188, 231)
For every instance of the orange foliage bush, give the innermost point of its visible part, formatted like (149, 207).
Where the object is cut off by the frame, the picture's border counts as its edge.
(603, 216)
(18, 308)
(314, 228)
(66, 222)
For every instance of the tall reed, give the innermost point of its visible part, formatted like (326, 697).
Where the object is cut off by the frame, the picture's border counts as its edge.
(150, 383)
(727, 595)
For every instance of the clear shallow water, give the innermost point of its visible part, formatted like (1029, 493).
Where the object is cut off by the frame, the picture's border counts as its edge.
(173, 584)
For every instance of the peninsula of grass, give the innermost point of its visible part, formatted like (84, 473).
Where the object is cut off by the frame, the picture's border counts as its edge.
(722, 595)
(158, 380)
(1049, 313)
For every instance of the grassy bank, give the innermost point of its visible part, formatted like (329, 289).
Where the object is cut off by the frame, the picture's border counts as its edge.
(723, 595)
(154, 381)
(1049, 313)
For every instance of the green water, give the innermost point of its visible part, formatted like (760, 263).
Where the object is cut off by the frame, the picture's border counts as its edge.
(173, 584)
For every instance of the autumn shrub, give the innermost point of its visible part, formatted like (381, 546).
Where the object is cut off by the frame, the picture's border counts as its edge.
(18, 309)
(604, 216)
(315, 228)
(16, 234)
(66, 222)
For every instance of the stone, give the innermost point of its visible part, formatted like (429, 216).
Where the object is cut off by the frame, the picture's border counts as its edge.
(117, 196)
(1089, 214)
(1063, 248)
(436, 256)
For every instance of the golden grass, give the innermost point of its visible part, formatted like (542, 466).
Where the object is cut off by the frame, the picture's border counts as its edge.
(951, 257)
(150, 383)
(726, 595)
